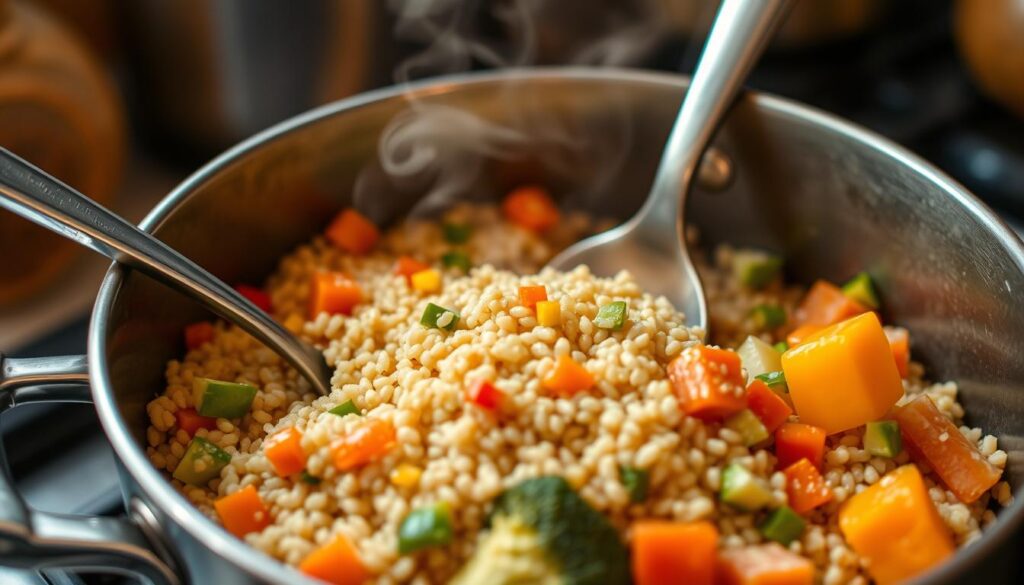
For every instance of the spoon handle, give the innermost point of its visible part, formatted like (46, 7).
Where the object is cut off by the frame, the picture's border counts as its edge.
(35, 195)
(741, 30)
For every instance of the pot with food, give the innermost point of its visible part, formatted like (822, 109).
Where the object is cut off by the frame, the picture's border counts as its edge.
(846, 418)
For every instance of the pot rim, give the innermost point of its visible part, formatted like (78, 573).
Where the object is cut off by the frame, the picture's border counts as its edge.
(160, 492)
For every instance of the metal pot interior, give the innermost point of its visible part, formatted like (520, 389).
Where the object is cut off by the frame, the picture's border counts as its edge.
(832, 198)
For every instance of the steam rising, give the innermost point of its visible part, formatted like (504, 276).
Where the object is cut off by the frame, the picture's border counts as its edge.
(441, 150)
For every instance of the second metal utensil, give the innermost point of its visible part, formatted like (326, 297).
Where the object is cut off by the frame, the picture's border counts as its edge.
(35, 195)
(651, 243)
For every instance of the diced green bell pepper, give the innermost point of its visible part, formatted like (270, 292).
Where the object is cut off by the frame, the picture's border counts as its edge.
(456, 233)
(758, 357)
(347, 407)
(201, 462)
(756, 269)
(768, 316)
(781, 347)
(635, 481)
(222, 399)
(743, 490)
(456, 259)
(782, 525)
(746, 423)
(306, 477)
(437, 317)
(882, 438)
(612, 315)
(425, 527)
(862, 289)
(774, 380)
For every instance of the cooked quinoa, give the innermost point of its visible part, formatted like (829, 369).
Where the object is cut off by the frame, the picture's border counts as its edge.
(396, 370)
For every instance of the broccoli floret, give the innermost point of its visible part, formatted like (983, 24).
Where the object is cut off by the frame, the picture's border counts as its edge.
(541, 531)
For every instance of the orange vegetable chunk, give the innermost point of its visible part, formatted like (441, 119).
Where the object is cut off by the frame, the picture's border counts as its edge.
(191, 421)
(369, 442)
(333, 293)
(798, 335)
(708, 382)
(352, 232)
(805, 487)
(197, 334)
(768, 406)
(532, 208)
(337, 563)
(529, 296)
(669, 553)
(796, 441)
(825, 304)
(931, 437)
(763, 564)
(407, 266)
(895, 526)
(242, 512)
(568, 377)
(899, 343)
(843, 376)
(285, 452)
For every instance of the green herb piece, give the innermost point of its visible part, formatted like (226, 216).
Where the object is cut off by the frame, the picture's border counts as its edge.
(437, 317)
(768, 316)
(456, 233)
(782, 525)
(756, 269)
(636, 482)
(456, 259)
(612, 316)
(862, 289)
(774, 380)
(310, 479)
(425, 527)
(347, 407)
(781, 347)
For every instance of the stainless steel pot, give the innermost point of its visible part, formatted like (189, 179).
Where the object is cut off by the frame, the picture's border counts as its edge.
(833, 197)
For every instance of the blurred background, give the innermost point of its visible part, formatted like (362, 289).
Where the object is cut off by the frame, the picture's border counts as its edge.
(124, 98)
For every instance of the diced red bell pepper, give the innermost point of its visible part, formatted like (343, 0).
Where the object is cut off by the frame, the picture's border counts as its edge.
(191, 421)
(805, 487)
(767, 405)
(407, 266)
(256, 296)
(796, 441)
(483, 394)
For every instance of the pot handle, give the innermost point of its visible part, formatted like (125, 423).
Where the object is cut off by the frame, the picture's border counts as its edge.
(31, 539)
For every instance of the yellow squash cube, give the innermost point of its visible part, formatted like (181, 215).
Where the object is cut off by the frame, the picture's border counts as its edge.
(895, 526)
(844, 375)
(549, 313)
(406, 475)
(426, 281)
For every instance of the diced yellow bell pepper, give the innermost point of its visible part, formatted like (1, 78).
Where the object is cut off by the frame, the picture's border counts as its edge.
(844, 375)
(426, 281)
(406, 475)
(549, 313)
(895, 526)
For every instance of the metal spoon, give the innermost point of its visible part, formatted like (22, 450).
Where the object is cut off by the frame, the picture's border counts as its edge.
(651, 244)
(33, 194)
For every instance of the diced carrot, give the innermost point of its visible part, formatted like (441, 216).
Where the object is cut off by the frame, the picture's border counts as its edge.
(843, 376)
(285, 452)
(191, 421)
(931, 437)
(796, 441)
(333, 293)
(242, 512)
(371, 441)
(763, 564)
(894, 525)
(708, 382)
(798, 335)
(825, 304)
(337, 563)
(805, 487)
(483, 394)
(529, 296)
(407, 266)
(669, 553)
(532, 208)
(567, 377)
(256, 296)
(767, 405)
(197, 334)
(899, 342)
(352, 232)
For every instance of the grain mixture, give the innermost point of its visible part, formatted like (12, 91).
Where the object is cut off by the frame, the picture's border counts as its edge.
(396, 370)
